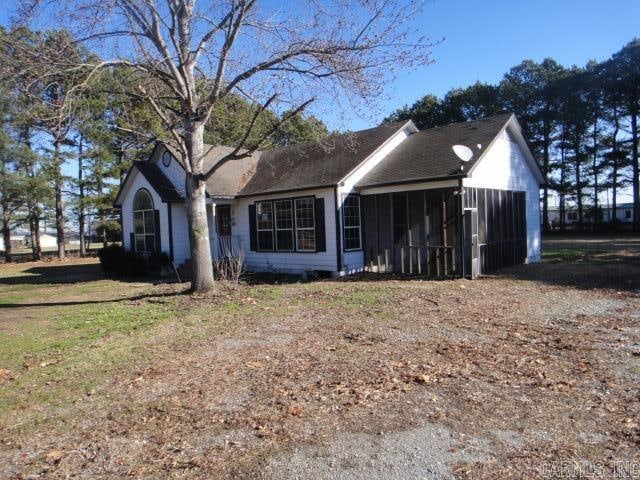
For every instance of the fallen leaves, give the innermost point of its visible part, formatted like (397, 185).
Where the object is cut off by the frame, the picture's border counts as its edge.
(53, 457)
(6, 375)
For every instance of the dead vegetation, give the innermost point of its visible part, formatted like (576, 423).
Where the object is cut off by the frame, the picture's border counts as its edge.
(522, 372)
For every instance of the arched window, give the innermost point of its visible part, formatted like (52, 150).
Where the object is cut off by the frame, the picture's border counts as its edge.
(144, 222)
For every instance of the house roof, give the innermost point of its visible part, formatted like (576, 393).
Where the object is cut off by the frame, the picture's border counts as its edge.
(158, 180)
(422, 156)
(229, 179)
(428, 154)
(316, 164)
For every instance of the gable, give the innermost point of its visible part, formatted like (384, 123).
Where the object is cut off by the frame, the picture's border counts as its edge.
(507, 164)
(428, 154)
(154, 177)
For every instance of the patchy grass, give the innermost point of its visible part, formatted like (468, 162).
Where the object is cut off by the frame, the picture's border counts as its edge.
(59, 339)
(537, 364)
(570, 254)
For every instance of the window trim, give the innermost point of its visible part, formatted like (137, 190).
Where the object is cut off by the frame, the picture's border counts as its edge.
(152, 212)
(359, 227)
(258, 229)
(295, 228)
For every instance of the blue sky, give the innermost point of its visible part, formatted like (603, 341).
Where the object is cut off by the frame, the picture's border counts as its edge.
(484, 38)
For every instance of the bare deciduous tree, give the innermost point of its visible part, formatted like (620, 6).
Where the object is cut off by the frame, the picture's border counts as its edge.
(189, 55)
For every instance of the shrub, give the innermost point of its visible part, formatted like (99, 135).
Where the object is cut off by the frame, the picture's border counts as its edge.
(158, 263)
(118, 262)
(112, 259)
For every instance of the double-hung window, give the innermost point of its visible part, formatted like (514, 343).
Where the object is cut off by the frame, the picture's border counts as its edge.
(144, 222)
(305, 225)
(264, 225)
(284, 225)
(288, 225)
(351, 223)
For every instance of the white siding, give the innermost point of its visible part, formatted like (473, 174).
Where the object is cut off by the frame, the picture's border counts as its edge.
(135, 182)
(174, 171)
(505, 167)
(180, 227)
(290, 262)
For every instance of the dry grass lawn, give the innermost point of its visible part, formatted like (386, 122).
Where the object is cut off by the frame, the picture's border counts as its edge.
(369, 377)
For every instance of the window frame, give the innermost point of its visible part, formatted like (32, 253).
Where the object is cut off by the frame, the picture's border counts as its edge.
(277, 229)
(358, 227)
(295, 228)
(144, 234)
(305, 229)
(258, 229)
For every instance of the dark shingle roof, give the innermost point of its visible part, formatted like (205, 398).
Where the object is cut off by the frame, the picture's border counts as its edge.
(427, 154)
(315, 164)
(159, 181)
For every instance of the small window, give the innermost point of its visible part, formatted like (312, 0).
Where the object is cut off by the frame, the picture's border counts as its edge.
(305, 225)
(572, 216)
(264, 224)
(627, 214)
(144, 223)
(284, 225)
(351, 221)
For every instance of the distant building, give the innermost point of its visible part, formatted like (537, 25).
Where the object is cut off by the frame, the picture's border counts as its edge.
(624, 214)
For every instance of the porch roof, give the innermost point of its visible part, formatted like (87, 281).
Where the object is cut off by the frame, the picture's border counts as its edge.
(428, 155)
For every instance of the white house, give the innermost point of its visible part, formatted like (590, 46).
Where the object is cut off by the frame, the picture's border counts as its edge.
(387, 198)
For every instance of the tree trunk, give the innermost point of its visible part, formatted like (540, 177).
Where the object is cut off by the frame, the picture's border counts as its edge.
(122, 157)
(101, 212)
(81, 217)
(596, 204)
(6, 230)
(614, 194)
(32, 205)
(545, 194)
(636, 171)
(201, 261)
(562, 182)
(614, 174)
(58, 198)
(6, 214)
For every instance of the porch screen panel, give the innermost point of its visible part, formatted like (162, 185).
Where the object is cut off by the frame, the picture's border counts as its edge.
(369, 206)
(416, 218)
(385, 227)
(501, 229)
(400, 220)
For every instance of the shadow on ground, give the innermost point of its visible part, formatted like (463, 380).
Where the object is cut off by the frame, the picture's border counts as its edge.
(133, 298)
(60, 274)
(583, 271)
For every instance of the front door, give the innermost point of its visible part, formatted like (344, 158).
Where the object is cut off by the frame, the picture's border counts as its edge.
(223, 226)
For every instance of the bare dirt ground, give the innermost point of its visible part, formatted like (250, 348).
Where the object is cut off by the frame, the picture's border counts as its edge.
(512, 376)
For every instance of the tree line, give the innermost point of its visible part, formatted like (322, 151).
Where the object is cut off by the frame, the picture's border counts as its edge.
(581, 124)
(55, 121)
